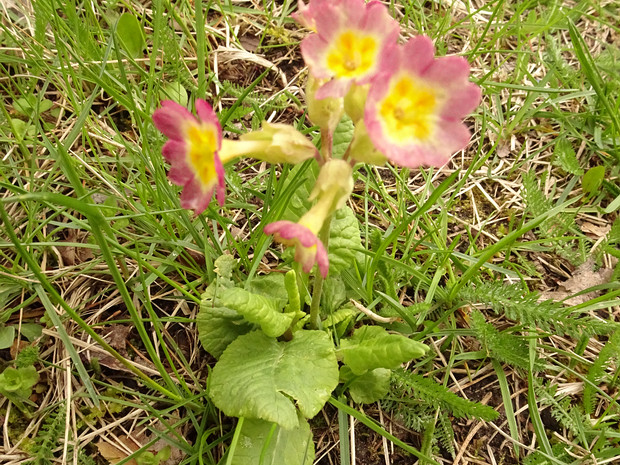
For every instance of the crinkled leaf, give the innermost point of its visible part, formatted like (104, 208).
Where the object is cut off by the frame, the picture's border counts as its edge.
(217, 325)
(344, 241)
(259, 377)
(225, 265)
(373, 347)
(269, 285)
(343, 135)
(297, 187)
(369, 387)
(258, 309)
(340, 315)
(334, 294)
(275, 444)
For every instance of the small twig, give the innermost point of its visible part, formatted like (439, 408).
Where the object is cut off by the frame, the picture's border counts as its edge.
(372, 315)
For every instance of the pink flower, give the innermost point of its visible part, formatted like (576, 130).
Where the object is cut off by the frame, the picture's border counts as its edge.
(353, 40)
(414, 108)
(333, 187)
(305, 13)
(308, 248)
(192, 152)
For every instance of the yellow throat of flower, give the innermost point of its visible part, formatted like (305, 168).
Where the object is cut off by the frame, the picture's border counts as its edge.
(353, 54)
(410, 110)
(202, 146)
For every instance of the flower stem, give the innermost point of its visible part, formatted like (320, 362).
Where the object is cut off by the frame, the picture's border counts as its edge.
(315, 317)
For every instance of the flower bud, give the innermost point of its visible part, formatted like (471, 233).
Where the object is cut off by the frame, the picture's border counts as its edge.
(354, 102)
(362, 149)
(274, 143)
(326, 112)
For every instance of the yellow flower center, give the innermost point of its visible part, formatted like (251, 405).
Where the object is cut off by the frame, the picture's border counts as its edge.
(409, 110)
(352, 55)
(202, 146)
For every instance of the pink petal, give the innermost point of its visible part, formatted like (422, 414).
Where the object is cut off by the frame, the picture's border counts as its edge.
(180, 174)
(418, 54)
(174, 150)
(313, 49)
(377, 19)
(446, 71)
(304, 241)
(462, 102)
(335, 88)
(195, 196)
(321, 259)
(171, 119)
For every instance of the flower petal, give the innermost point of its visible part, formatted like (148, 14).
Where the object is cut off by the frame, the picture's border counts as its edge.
(195, 196)
(350, 43)
(171, 119)
(308, 247)
(413, 110)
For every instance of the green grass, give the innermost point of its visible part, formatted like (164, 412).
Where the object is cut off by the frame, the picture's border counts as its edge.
(94, 239)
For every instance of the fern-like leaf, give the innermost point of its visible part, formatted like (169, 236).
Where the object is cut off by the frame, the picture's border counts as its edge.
(502, 346)
(413, 385)
(49, 436)
(445, 433)
(523, 306)
(606, 357)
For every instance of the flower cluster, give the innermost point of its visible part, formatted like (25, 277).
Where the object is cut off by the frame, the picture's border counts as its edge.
(406, 106)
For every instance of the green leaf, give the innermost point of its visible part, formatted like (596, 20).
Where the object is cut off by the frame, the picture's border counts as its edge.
(10, 380)
(130, 34)
(26, 106)
(29, 376)
(373, 347)
(176, 92)
(369, 387)
(225, 265)
(217, 325)
(31, 331)
(297, 188)
(21, 129)
(269, 285)
(259, 378)
(18, 381)
(334, 294)
(257, 309)
(342, 137)
(592, 180)
(342, 314)
(266, 443)
(565, 157)
(7, 336)
(345, 242)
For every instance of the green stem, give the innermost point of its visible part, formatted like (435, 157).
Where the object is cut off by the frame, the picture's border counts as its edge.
(315, 318)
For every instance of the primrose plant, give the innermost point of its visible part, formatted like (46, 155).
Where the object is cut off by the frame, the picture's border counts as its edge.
(282, 350)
